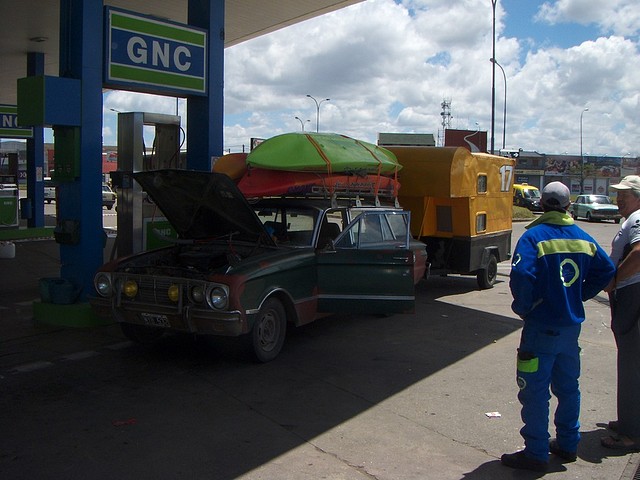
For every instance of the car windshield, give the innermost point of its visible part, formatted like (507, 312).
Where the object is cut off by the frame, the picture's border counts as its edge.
(531, 193)
(289, 225)
(601, 199)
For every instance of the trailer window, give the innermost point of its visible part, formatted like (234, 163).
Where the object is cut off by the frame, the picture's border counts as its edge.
(443, 218)
(482, 183)
(481, 222)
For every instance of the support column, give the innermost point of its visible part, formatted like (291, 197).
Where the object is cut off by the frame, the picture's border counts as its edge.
(35, 154)
(80, 200)
(205, 115)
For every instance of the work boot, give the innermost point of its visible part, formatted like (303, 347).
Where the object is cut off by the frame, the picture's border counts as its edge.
(521, 461)
(563, 454)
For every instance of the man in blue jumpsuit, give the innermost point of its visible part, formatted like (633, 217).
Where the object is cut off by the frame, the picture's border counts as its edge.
(556, 267)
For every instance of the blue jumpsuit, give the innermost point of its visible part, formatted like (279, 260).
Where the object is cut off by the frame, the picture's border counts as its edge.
(556, 267)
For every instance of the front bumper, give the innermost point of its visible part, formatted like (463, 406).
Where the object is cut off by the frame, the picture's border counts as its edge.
(536, 207)
(599, 215)
(187, 319)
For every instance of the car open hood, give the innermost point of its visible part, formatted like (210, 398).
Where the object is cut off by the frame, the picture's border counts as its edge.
(203, 205)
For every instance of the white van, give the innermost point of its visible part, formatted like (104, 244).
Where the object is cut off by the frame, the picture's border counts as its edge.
(49, 190)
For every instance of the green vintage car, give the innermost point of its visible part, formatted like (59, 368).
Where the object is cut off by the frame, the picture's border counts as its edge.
(595, 208)
(251, 269)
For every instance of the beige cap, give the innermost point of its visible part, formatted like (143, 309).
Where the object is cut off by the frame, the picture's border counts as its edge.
(630, 182)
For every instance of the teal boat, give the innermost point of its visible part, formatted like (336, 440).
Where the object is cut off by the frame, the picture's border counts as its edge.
(322, 152)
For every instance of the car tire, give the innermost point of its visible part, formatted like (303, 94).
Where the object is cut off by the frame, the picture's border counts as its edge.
(269, 331)
(487, 276)
(141, 333)
(573, 215)
(589, 218)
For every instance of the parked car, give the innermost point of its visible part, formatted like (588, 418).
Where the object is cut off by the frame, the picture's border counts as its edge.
(250, 270)
(108, 196)
(49, 190)
(527, 196)
(595, 207)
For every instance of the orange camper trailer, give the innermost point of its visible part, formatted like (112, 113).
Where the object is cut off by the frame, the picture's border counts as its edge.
(460, 206)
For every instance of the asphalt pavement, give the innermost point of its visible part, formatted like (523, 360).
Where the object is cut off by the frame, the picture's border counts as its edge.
(425, 396)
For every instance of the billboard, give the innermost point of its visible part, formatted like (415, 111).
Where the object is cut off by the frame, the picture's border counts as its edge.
(148, 54)
(9, 125)
(474, 140)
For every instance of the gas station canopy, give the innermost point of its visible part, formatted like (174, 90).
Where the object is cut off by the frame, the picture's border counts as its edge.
(33, 26)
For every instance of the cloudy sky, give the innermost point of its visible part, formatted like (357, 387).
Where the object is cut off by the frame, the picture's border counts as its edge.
(387, 66)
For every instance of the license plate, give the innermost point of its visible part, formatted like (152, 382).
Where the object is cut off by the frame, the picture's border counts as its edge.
(155, 320)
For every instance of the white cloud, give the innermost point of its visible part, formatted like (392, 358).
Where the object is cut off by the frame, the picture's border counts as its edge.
(387, 66)
(555, 85)
(619, 17)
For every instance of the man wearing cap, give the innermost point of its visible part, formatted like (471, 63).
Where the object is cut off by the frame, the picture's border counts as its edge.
(556, 267)
(624, 298)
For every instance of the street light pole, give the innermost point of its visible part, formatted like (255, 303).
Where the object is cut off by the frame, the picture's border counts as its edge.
(318, 110)
(493, 79)
(581, 157)
(301, 122)
(504, 113)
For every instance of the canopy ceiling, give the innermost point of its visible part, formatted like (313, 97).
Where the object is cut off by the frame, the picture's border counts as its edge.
(33, 25)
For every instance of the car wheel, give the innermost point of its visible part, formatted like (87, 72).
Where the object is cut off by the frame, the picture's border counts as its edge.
(616, 220)
(487, 276)
(589, 219)
(573, 215)
(268, 333)
(141, 333)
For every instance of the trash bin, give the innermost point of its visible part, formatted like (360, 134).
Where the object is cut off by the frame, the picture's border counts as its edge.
(7, 250)
(9, 197)
(57, 290)
(26, 212)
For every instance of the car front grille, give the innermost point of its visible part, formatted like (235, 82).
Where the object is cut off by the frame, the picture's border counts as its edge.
(154, 290)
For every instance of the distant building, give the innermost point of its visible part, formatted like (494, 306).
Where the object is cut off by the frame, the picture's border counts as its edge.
(16, 147)
(596, 173)
(474, 140)
(407, 139)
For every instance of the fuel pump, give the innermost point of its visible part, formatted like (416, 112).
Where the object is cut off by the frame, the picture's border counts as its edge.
(9, 193)
(138, 216)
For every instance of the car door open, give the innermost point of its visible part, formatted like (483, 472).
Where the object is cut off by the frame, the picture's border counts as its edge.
(369, 267)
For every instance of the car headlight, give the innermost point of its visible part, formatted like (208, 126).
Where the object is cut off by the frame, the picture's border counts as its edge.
(217, 298)
(197, 294)
(130, 288)
(174, 293)
(102, 284)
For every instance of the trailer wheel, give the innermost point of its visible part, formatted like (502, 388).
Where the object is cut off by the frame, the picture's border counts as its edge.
(268, 333)
(487, 276)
